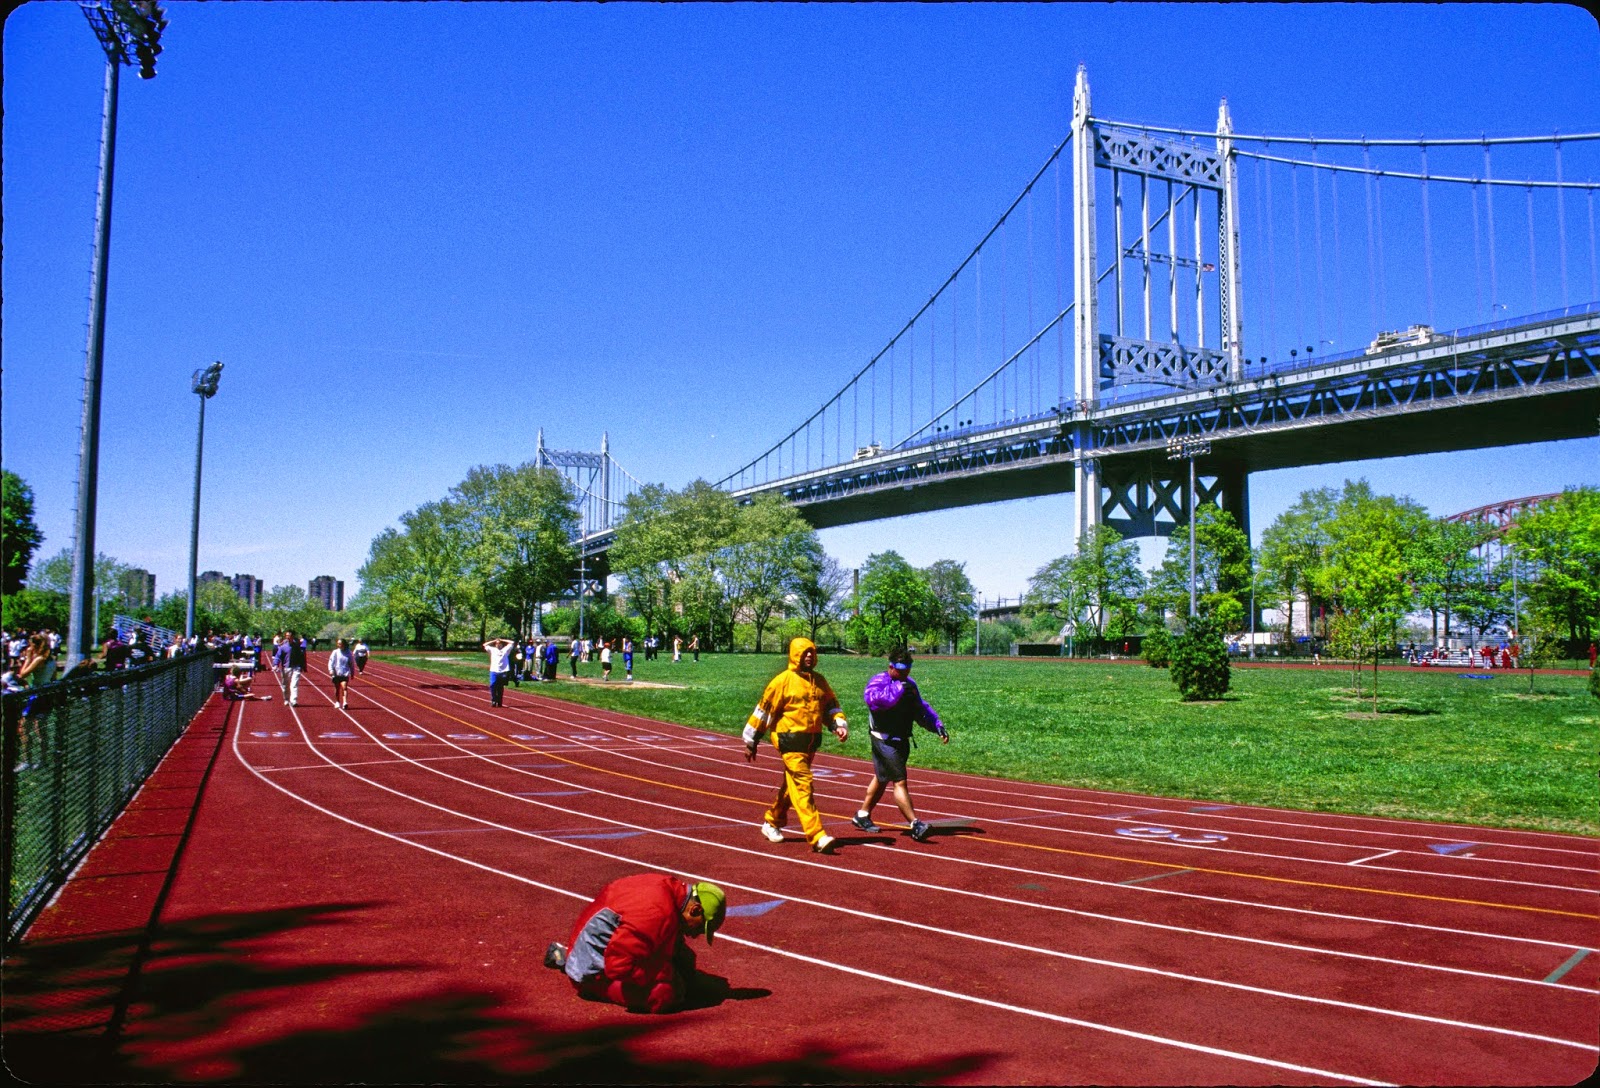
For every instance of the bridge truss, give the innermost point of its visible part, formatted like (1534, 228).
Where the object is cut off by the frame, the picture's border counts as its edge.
(1157, 325)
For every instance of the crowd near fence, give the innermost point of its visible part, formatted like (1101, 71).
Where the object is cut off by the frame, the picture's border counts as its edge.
(75, 753)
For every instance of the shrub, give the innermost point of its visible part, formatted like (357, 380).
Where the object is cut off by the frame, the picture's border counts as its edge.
(1158, 648)
(1200, 661)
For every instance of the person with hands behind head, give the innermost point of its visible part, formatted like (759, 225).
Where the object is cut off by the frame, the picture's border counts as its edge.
(499, 651)
(895, 704)
(794, 708)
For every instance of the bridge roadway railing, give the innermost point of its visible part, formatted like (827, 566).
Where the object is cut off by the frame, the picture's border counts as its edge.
(1548, 352)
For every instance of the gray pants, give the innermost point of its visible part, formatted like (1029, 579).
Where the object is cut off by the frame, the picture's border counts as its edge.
(289, 681)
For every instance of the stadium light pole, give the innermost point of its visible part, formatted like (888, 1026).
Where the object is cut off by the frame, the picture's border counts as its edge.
(127, 31)
(1187, 448)
(205, 385)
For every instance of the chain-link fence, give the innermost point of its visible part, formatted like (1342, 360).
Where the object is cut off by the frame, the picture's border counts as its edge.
(75, 753)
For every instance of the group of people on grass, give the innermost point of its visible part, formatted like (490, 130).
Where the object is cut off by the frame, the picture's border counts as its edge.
(630, 945)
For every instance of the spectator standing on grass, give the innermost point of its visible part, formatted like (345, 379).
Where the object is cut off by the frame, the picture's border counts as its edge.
(694, 648)
(677, 648)
(499, 651)
(574, 651)
(339, 672)
(627, 656)
(290, 662)
(630, 946)
(794, 708)
(895, 704)
(1594, 654)
(551, 662)
(605, 660)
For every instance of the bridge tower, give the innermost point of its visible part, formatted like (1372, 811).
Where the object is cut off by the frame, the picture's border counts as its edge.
(1171, 351)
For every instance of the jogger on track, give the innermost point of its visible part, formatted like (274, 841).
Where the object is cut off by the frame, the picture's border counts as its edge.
(895, 705)
(339, 673)
(630, 947)
(794, 708)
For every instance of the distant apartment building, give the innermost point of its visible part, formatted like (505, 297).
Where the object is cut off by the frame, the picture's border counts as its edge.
(207, 577)
(138, 588)
(249, 589)
(328, 592)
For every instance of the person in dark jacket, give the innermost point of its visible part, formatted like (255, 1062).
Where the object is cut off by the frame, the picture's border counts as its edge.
(895, 705)
(630, 946)
(290, 662)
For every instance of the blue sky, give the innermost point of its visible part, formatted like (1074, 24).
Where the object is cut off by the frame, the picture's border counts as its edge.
(417, 233)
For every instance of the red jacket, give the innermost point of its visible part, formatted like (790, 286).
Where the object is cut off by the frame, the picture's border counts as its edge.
(630, 933)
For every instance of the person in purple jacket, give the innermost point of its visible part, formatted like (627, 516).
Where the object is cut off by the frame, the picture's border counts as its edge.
(895, 705)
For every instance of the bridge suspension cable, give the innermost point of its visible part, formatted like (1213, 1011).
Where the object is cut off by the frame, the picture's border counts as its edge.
(1326, 141)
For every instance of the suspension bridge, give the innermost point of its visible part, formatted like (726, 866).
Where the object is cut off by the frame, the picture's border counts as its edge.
(1439, 306)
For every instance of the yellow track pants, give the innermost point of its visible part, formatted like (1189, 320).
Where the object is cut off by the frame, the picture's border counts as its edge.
(796, 790)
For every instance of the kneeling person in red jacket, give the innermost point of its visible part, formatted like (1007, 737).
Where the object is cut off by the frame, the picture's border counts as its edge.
(629, 946)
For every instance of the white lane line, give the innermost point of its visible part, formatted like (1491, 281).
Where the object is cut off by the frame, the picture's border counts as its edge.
(1111, 884)
(1137, 968)
(1199, 1048)
(1126, 1032)
(1374, 857)
(1076, 795)
(592, 720)
(1209, 848)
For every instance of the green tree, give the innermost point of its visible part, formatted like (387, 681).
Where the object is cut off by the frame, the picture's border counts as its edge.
(762, 566)
(1371, 563)
(895, 603)
(283, 608)
(54, 575)
(951, 599)
(520, 523)
(820, 591)
(1222, 569)
(1292, 553)
(1557, 547)
(19, 535)
(1449, 569)
(1096, 589)
(671, 547)
(1199, 664)
(422, 570)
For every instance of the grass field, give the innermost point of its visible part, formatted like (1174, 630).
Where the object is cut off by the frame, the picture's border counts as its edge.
(1442, 747)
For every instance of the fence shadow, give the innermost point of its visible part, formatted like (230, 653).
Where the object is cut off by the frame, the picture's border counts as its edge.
(197, 1013)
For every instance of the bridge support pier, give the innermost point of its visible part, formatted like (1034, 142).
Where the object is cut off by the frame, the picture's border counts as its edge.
(1151, 498)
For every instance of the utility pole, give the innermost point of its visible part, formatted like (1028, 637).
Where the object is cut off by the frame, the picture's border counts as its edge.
(1187, 448)
(205, 385)
(127, 31)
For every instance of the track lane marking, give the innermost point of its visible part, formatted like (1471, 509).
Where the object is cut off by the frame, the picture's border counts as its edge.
(1083, 853)
(918, 884)
(905, 923)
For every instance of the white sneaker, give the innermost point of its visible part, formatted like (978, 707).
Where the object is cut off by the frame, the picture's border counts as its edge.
(770, 833)
(823, 845)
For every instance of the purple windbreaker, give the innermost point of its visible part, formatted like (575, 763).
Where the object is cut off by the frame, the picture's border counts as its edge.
(895, 704)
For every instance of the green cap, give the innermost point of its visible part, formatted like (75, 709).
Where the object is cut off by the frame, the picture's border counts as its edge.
(713, 904)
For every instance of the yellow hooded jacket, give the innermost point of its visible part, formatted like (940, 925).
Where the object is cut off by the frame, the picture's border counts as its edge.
(795, 702)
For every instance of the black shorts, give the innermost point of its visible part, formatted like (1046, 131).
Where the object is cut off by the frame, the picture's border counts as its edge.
(889, 758)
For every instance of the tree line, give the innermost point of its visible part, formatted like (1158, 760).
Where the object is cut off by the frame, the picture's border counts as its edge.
(1360, 563)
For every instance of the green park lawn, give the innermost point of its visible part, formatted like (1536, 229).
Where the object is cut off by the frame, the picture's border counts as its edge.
(1441, 748)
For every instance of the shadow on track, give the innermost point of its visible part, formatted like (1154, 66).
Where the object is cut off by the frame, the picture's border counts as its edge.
(218, 1001)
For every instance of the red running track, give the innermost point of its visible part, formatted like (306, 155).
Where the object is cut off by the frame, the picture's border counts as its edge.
(366, 895)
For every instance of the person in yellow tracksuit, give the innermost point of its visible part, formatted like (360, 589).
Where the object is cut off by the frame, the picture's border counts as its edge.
(796, 705)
